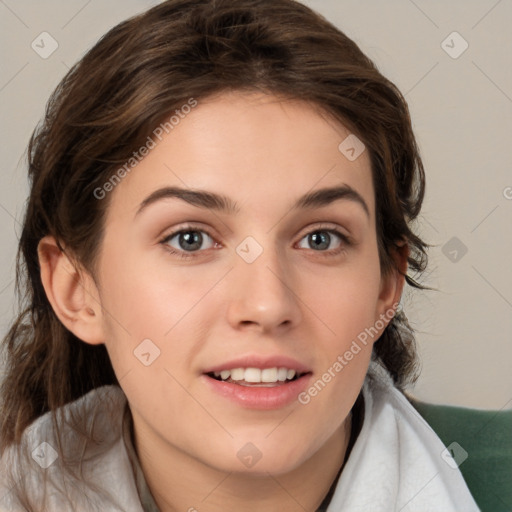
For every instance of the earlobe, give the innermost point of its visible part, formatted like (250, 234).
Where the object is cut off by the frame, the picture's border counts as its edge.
(72, 293)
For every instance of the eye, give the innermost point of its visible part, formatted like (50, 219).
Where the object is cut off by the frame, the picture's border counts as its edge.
(188, 240)
(324, 240)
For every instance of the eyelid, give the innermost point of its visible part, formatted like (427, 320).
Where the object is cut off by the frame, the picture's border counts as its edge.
(326, 226)
(186, 226)
(183, 228)
(192, 226)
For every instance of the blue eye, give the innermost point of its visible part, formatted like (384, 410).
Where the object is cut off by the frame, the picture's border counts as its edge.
(188, 240)
(321, 239)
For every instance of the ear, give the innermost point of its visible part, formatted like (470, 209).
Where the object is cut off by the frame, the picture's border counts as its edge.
(392, 284)
(71, 292)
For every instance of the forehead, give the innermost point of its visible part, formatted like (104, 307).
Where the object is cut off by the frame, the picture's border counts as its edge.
(262, 151)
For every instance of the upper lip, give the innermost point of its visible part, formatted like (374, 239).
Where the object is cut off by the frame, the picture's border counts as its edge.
(262, 362)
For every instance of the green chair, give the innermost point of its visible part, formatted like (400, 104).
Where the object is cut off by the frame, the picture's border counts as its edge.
(487, 438)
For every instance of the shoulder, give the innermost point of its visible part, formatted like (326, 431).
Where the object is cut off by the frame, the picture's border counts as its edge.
(397, 458)
(63, 451)
(94, 418)
(390, 412)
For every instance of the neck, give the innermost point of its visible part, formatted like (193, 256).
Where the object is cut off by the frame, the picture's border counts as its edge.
(179, 482)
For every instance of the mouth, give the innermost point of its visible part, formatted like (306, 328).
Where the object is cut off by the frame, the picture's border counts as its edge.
(258, 377)
(256, 381)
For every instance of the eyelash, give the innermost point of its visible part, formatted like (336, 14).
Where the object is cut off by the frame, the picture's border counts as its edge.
(346, 241)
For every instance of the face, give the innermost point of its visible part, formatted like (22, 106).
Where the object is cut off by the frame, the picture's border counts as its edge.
(272, 279)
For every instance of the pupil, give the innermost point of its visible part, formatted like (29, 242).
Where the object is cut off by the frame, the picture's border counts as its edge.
(192, 238)
(320, 239)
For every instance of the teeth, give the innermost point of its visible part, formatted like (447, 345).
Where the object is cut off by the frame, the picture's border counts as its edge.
(236, 374)
(256, 375)
(252, 375)
(281, 374)
(269, 375)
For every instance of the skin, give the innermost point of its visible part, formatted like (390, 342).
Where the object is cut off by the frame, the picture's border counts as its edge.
(294, 299)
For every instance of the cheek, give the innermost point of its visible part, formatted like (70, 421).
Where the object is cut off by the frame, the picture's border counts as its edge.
(345, 342)
(345, 299)
(144, 302)
(144, 298)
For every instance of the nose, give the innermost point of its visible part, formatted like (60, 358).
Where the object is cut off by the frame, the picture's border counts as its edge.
(263, 294)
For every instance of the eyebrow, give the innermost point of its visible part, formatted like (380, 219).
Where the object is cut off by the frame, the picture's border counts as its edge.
(213, 201)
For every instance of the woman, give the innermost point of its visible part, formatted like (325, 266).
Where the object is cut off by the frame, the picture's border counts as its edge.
(215, 245)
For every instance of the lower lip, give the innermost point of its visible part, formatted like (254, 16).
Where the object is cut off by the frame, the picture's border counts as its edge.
(255, 397)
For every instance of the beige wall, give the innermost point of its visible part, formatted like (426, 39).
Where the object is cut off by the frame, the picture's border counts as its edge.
(462, 113)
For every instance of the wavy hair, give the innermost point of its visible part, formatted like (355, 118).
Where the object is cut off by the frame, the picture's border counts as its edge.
(110, 102)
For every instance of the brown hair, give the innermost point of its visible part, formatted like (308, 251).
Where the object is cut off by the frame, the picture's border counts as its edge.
(108, 104)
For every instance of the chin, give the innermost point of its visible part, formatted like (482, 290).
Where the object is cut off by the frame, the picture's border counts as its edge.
(260, 458)
(264, 468)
